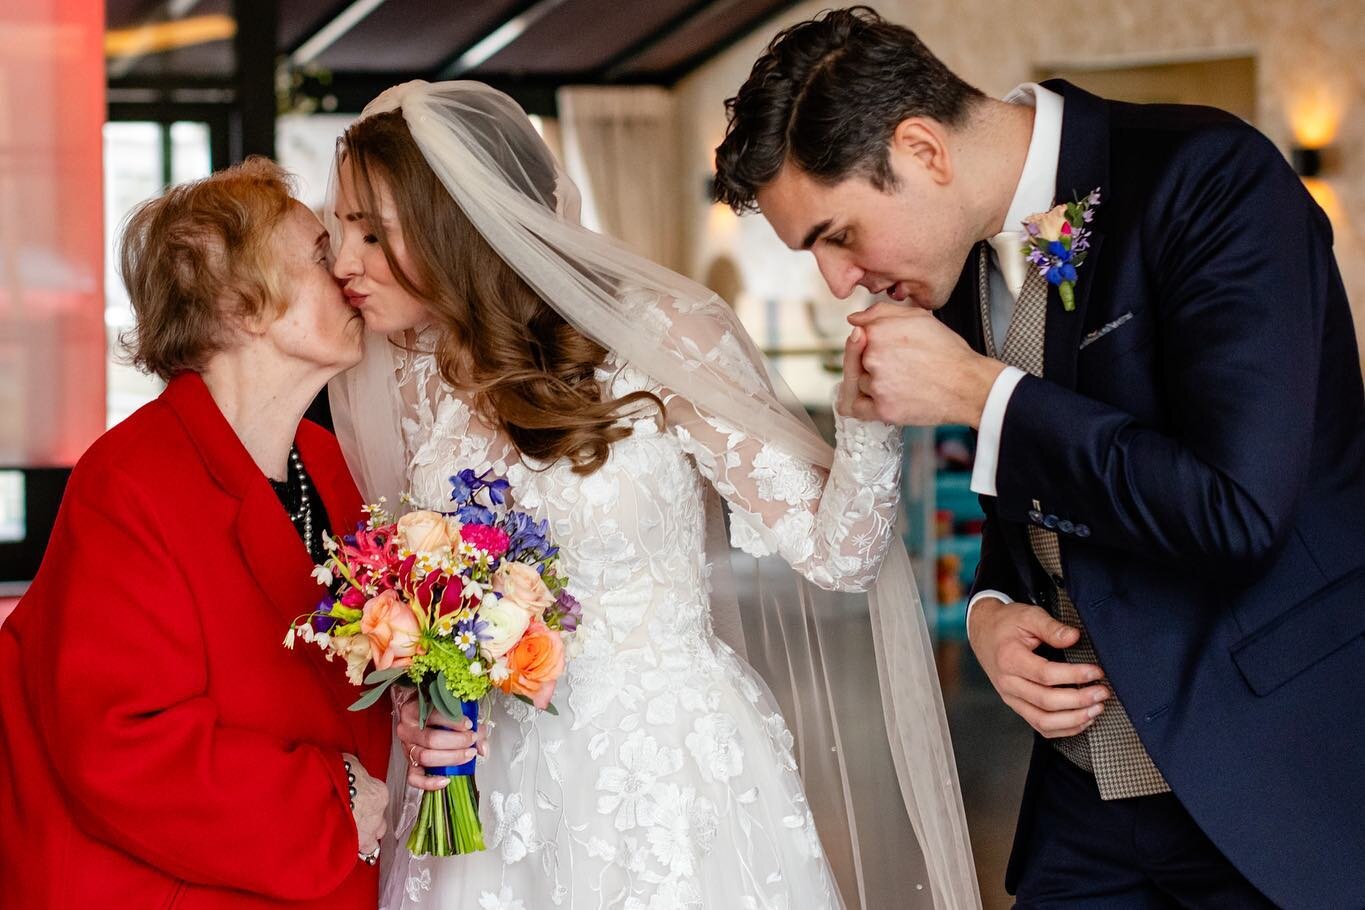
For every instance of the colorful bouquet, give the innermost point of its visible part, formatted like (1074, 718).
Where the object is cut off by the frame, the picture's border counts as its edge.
(453, 604)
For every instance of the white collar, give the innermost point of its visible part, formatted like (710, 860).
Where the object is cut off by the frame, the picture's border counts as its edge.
(1038, 182)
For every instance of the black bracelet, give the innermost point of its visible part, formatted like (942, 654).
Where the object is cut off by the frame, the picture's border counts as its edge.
(350, 781)
(369, 858)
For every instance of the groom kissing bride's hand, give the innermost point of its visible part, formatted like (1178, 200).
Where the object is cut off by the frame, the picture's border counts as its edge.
(914, 370)
(918, 372)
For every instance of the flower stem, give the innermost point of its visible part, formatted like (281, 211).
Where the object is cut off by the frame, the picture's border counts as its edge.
(448, 821)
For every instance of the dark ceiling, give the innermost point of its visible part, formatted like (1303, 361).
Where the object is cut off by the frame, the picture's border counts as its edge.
(555, 42)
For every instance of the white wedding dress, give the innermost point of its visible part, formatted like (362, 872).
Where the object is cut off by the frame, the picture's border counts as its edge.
(667, 780)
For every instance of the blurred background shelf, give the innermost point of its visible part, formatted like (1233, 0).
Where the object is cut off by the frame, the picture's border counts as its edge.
(943, 526)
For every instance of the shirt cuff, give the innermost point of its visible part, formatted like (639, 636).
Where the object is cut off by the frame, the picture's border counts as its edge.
(992, 427)
(1004, 598)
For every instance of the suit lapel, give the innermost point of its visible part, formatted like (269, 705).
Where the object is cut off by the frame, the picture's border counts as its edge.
(962, 312)
(1083, 166)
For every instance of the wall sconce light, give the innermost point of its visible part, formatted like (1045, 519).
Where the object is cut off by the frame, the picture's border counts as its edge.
(1312, 161)
(1307, 162)
(1315, 114)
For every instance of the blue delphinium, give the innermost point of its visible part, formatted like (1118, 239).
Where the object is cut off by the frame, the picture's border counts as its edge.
(529, 538)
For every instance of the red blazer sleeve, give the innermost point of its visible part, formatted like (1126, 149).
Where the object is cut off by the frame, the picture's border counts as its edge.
(137, 746)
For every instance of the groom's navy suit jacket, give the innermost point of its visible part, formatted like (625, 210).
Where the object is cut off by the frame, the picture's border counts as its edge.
(1198, 442)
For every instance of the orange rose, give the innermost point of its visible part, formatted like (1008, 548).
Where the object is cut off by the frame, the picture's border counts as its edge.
(392, 629)
(522, 584)
(535, 664)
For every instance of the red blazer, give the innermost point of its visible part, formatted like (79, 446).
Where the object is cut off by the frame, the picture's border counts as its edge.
(159, 747)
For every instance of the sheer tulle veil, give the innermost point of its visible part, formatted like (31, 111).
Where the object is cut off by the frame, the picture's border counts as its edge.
(873, 748)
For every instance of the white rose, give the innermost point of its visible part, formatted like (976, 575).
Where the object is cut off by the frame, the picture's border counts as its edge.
(507, 621)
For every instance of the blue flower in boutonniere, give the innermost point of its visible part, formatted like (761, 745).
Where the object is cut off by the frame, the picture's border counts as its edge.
(1057, 241)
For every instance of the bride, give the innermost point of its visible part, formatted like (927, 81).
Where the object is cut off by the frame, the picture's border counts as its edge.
(623, 403)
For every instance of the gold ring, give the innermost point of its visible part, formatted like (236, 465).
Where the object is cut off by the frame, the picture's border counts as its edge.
(412, 757)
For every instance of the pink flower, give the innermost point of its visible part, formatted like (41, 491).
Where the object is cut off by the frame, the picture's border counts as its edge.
(373, 554)
(522, 583)
(1066, 229)
(392, 629)
(493, 541)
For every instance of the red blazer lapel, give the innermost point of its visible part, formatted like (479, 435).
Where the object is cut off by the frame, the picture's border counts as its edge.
(271, 548)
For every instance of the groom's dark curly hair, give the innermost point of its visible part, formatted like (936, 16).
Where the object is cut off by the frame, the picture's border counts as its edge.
(827, 95)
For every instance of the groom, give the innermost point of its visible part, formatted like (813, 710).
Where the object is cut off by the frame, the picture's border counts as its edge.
(1171, 446)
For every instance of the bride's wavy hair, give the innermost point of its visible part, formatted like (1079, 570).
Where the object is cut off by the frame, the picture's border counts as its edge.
(531, 373)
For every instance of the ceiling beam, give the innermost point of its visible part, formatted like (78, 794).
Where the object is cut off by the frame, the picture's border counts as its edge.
(620, 62)
(493, 41)
(332, 31)
(355, 90)
(708, 54)
(166, 11)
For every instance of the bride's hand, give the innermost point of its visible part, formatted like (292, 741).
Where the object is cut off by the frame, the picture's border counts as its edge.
(849, 391)
(435, 748)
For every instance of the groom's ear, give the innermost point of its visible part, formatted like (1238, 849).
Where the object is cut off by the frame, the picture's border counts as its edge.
(922, 143)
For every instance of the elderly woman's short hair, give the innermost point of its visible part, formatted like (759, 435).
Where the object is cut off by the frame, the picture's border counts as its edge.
(198, 256)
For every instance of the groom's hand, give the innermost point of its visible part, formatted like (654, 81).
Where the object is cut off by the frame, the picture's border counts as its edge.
(1057, 699)
(918, 372)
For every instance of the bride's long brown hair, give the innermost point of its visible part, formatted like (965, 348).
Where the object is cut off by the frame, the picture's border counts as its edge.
(531, 373)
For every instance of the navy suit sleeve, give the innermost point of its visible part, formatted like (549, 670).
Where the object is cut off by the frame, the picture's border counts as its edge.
(1242, 263)
(996, 570)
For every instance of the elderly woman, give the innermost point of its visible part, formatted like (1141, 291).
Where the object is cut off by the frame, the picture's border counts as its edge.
(161, 747)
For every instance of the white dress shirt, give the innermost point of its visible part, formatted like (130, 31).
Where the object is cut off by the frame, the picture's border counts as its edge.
(1034, 195)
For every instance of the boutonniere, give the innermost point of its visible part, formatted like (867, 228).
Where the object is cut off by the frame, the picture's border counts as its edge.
(1057, 241)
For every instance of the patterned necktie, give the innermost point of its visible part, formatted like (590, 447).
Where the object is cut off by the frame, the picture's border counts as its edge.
(1109, 748)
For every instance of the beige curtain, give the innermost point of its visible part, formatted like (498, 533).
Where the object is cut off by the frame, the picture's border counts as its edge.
(620, 147)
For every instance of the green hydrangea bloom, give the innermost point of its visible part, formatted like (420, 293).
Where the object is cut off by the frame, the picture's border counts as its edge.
(443, 657)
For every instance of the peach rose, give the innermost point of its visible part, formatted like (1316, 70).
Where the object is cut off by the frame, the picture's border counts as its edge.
(427, 532)
(535, 665)
(522, 583)
(392, 629)
(1049, 223)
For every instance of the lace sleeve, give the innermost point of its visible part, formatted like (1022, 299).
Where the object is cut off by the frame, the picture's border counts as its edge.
(832, 526)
